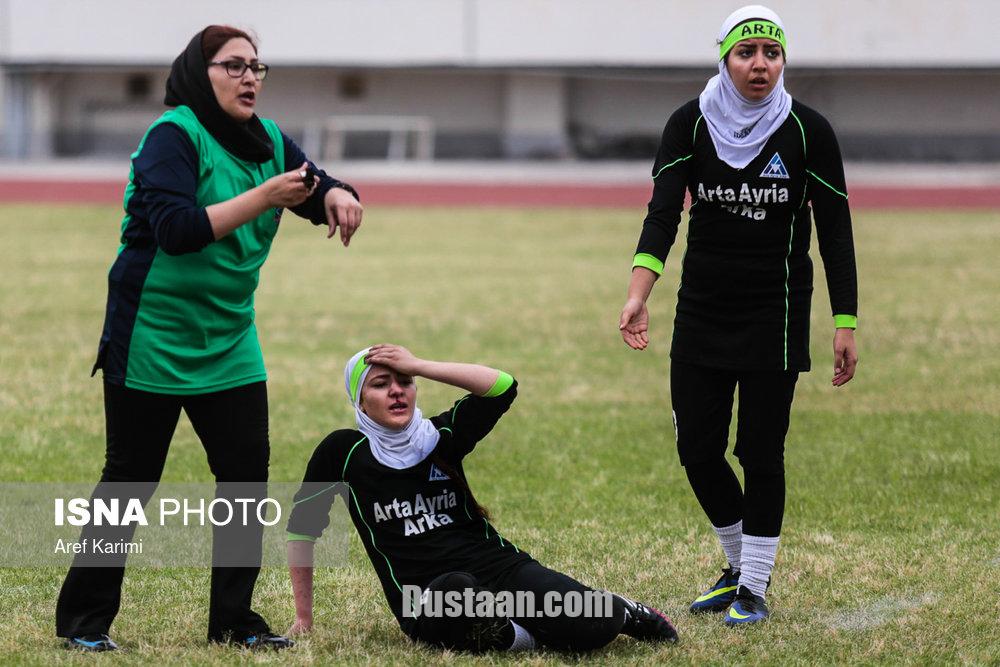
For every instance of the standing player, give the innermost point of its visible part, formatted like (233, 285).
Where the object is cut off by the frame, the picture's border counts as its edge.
(419, 522)
(208, 184)
(753, 160)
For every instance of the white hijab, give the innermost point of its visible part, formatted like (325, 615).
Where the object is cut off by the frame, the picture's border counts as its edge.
(396, 449)
(740, 128)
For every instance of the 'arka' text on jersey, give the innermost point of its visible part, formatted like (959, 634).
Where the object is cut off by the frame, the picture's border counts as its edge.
(420, 515)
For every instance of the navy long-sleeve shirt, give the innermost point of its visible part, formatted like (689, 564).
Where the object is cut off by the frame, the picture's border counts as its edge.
(166, 173)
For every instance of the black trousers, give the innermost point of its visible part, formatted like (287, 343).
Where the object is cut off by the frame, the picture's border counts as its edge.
(702, 401)
(233, 428)
(563, 633)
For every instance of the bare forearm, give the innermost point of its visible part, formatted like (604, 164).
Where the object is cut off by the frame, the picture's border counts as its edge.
(641, 283)
(300, 570)
(473, 378)
(230, 214)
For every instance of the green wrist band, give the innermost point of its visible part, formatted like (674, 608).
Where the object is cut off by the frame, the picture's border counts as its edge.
(647, 261)
(503, 383)
(295, 537)
(845, 321)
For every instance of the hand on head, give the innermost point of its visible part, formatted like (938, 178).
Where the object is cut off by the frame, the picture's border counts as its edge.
(395, 357)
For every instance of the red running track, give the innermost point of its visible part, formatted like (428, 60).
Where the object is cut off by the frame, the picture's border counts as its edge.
(511, 194)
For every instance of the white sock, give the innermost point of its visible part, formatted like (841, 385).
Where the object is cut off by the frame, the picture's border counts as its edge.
(731, 538)
(523, 640)
(757, 562)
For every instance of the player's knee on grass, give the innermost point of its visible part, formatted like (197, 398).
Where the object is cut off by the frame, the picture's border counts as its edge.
(458, 633)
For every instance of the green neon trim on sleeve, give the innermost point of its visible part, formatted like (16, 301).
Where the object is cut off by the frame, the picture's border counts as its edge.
(805, 151)
(694, 135)
(343, 473)
(647, 261)
(318, 493)
(503, 383)
(842, 194)
(296, 537)
(845, 321)
(454, 410)
(667, 166)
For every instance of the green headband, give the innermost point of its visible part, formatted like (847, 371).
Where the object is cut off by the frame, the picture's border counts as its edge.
(752, 29)
(356, 373)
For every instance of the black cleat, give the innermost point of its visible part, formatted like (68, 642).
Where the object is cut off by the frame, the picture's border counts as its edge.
(94, 643)
(647, 623)
(259, 641)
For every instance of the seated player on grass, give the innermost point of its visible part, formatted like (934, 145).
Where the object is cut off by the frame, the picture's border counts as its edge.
(421, 525)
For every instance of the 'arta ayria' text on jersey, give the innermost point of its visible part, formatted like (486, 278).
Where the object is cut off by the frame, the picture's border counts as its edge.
(419, 515)
(745, 201)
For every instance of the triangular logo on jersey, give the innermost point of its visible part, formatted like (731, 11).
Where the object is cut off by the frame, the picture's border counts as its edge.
(775, 168)
(437, 475)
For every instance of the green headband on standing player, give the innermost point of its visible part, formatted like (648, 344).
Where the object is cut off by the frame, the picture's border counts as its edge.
(753, 29)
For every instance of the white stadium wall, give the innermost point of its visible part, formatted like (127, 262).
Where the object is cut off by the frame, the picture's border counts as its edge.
(906, 79)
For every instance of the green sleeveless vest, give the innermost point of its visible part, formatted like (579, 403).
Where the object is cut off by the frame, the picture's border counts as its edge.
(194, 331)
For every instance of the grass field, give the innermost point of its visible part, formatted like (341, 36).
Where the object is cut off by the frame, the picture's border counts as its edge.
(891, 546)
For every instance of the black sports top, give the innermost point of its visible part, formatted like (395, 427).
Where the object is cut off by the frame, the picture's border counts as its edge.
(416, 523)
(746, 277)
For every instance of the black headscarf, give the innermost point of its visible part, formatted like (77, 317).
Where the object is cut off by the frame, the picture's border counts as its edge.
(189, 85)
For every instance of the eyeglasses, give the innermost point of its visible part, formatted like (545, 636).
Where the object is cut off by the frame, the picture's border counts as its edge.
(236, 68)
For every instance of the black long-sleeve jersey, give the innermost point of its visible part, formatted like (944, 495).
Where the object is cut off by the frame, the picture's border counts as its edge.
(746, 277)
(416, 523)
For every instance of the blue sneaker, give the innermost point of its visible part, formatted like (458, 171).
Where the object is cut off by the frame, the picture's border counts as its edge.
(718, 598)
(747, 608)
(94, 643)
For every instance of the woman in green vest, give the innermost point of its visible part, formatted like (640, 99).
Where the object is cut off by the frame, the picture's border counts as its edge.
(207, 187)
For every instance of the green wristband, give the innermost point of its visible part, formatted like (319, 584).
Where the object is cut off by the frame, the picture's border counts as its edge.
(503, 383)
(845, 321)
(647, 261)
(296, 537)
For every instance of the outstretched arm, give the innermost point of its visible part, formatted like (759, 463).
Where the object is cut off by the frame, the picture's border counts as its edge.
(300, 569)
(287, 189)
(473, 378)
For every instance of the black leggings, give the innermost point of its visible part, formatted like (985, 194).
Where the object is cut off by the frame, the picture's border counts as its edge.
(702, 400)
(233, 429)
(564, 633)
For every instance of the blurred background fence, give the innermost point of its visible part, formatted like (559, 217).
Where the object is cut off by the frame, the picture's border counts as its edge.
(901, 80)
